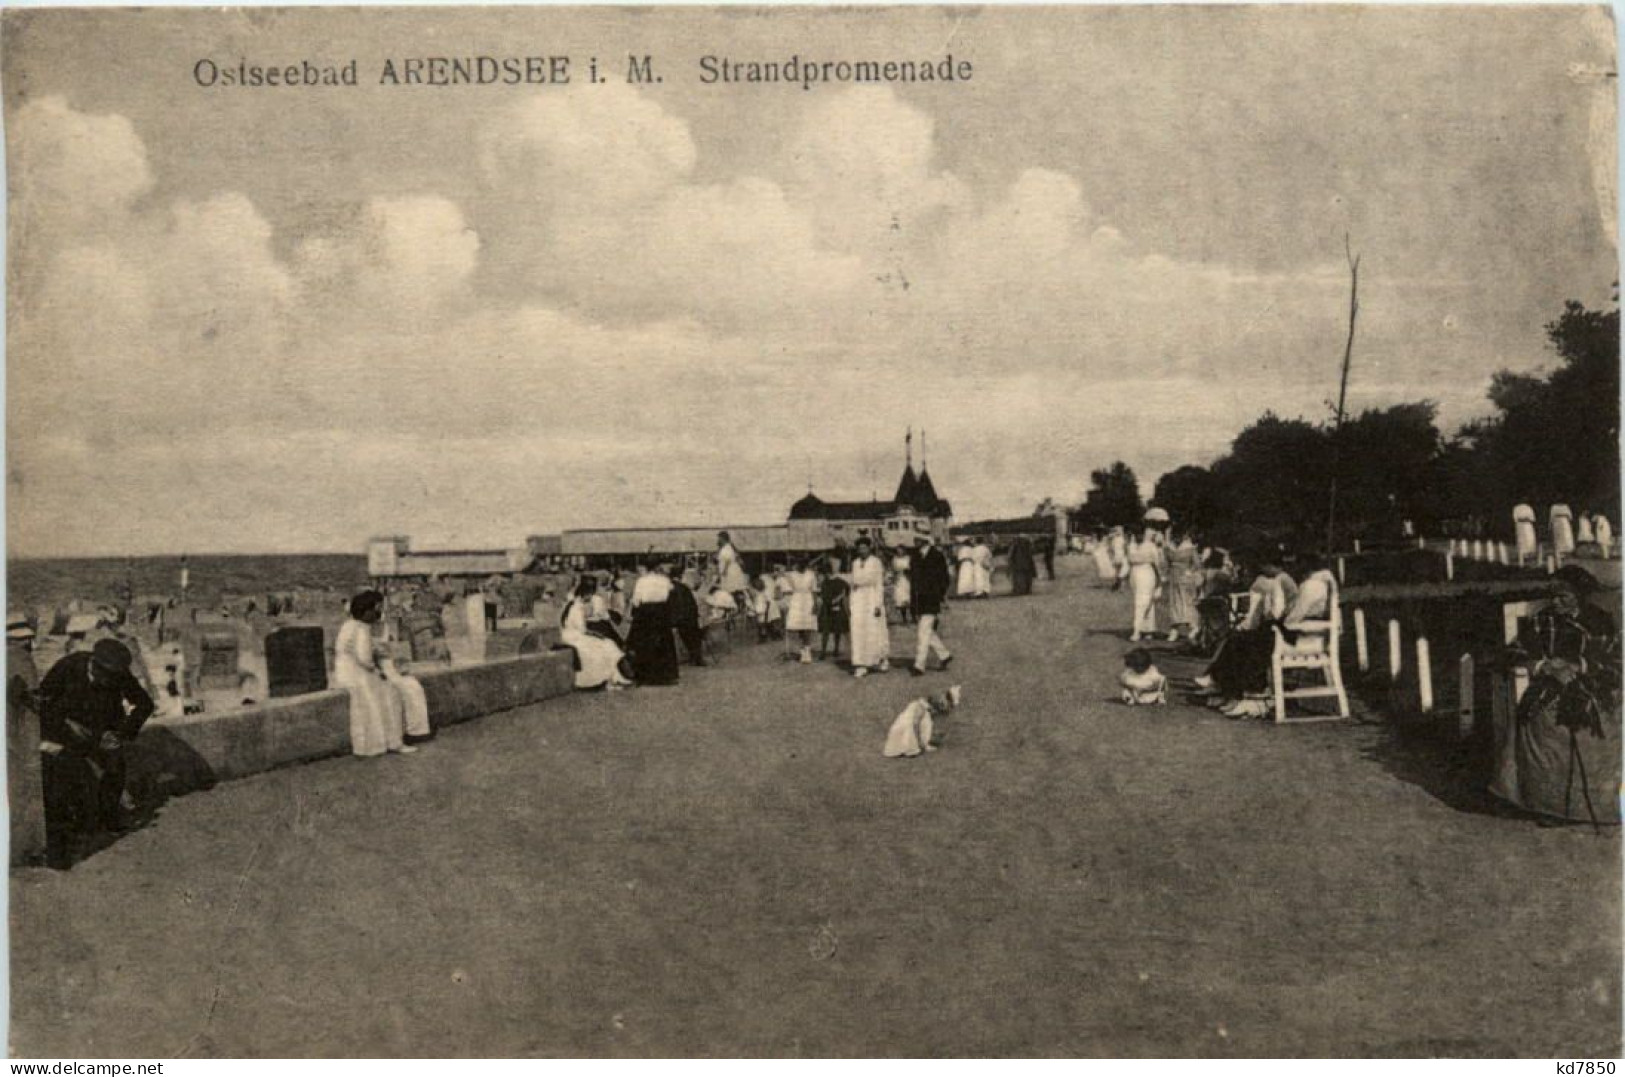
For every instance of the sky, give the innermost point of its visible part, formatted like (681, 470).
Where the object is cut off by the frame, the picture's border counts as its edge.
(284, 320)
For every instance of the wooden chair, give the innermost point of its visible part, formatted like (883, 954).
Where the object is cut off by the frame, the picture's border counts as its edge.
(1317, 647)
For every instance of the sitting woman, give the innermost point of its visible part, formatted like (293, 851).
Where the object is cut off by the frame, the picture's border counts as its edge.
(602, 621)
(376, 717)
(1239, 675)
(1560, 757)
(600, 663)
(1213, 602)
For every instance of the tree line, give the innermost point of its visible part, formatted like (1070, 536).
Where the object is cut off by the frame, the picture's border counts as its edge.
(1552, 436)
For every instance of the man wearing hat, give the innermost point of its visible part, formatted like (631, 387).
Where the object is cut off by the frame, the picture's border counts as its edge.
(931, 578)
(90, 705)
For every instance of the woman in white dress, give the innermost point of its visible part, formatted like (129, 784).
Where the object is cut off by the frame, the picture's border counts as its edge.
(1102, 553)
(871, 642)
(600, 659)
(1523, 526)
(1605, 534)
(801, 616)
(902, 591)
(1117, 548)
(375, 722)
(1562, 518)
(1583, 532)
(1183, 585)
(731, 569)
(1147, 568)
(965, 581)
(984, 568)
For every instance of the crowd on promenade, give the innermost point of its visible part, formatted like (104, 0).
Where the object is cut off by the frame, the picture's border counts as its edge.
(635, 629)
(1560, 755)
(1184, 590)
(626, 630)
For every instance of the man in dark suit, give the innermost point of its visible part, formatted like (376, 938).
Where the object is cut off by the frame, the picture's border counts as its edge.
(90, 705)
(931, 579)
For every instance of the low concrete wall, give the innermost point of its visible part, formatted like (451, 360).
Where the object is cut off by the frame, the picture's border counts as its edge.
(176, 755)
(456, 695)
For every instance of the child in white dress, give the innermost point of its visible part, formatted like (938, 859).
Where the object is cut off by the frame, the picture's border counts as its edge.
(1143, 684)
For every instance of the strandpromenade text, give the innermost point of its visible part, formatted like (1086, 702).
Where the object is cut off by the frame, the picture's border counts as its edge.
(794, 70)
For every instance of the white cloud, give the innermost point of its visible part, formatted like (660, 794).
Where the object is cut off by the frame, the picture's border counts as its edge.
(72, 169)
(608, 330)
(606, 147)
(398, 259)
(863, 163)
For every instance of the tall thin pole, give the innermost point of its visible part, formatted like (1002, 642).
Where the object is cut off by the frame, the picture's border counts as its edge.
(1343, 391)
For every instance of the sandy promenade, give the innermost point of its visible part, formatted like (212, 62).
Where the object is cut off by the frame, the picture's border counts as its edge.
(730, 867)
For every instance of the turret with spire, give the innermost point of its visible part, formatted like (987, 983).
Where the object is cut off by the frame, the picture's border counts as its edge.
(907, 485)
(916, 494)
(925, 497)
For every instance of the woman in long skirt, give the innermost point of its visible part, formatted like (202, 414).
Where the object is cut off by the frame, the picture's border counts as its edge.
(599, 659)
(1559, 754)
(1022, 566)
(1102, 554)
(871, 643)
(376, 724)
(653, 647)
(1147, 568)
(983, 556)
(1183, 586)
(1117, 547)
(966, 580)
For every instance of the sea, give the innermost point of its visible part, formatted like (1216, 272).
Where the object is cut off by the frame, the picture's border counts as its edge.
(38, 583)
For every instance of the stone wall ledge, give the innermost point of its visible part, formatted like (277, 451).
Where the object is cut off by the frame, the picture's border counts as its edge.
(181, 754)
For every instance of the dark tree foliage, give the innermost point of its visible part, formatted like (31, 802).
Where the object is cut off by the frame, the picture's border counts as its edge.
(1554, 436)
(1113, 498)
(1191, 496)
(1273, 484)
(1388, 470)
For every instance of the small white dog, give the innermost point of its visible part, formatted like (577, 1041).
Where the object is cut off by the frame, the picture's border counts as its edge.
(911, 730)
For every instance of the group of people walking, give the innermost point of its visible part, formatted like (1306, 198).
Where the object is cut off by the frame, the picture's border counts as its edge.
(975, 561)
(1167, 573)
(839, 598)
